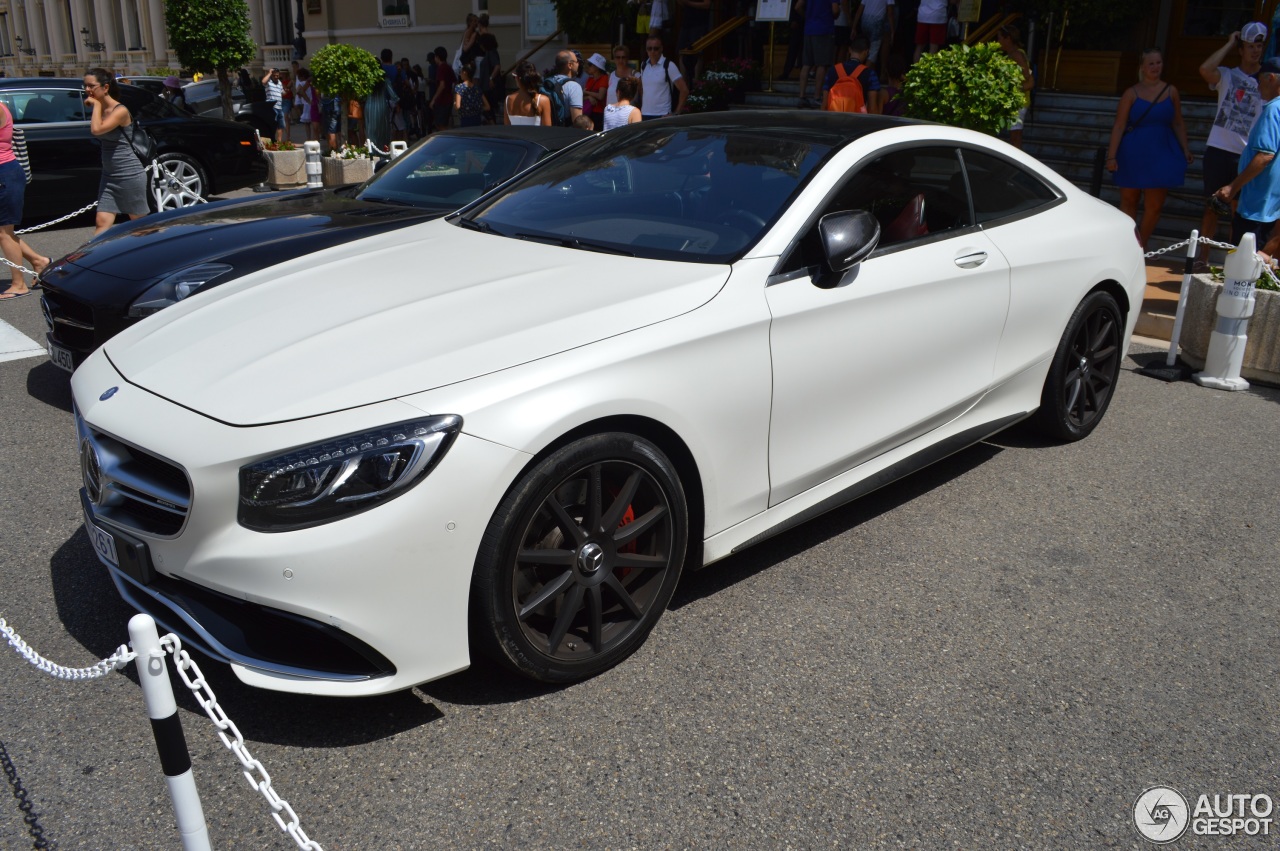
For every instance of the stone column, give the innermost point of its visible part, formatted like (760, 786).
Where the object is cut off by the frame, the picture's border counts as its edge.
(54, 26)
(105, 23)
(159, 44)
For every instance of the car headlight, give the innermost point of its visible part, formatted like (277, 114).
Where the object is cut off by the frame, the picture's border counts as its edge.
(174, 287)
(318, 484)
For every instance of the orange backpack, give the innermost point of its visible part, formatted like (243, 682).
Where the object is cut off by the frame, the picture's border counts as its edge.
(847, 95)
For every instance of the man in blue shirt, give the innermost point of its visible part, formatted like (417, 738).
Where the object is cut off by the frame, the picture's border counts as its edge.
(819, 45)
(1258, 183)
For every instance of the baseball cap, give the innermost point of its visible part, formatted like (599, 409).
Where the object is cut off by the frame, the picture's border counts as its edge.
(1253, 31)
(1270, 66)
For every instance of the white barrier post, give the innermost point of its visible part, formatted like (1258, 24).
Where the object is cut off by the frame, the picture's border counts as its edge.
(1235, 307)
(398, 148)
(314, 180)
(1187, 270)
(162, 709)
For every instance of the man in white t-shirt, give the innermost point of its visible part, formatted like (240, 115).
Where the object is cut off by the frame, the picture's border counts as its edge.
(567, 66)
(657, 75)
(1239, 105)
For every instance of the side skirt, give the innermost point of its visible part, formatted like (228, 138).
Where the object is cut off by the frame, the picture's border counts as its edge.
(905, 467)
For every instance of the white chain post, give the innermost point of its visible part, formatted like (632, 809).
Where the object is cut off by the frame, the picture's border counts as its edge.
(1188, 269)
(398, 148)
(1235, 306)
(230, 734)
(162, 709)
(314, 179)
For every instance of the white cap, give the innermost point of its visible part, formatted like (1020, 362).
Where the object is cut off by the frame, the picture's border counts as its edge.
(1253, 31)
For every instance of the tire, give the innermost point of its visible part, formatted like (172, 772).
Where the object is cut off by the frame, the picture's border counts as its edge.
(558, 598)
(1082, 378)
(182, 182)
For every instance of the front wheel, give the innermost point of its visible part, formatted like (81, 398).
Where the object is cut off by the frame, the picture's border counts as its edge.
(580, 559)
(182, 182)
(1082, 378)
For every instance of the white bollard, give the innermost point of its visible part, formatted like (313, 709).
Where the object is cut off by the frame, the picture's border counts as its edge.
(162, 709)
(314, 179)
(398, 148)
(1188, 268)
(1235, 306)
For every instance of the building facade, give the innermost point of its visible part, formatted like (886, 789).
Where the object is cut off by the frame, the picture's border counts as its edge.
(65, 37)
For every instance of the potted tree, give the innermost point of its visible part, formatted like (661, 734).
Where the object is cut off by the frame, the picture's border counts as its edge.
(286, 164)
(979, 88)
(350, 72)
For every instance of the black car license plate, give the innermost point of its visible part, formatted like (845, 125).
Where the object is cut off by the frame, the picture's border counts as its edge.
(61, 357)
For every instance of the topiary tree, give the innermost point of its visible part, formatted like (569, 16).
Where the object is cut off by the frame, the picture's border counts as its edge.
(348, 71)
(212, 37)
(978, 87)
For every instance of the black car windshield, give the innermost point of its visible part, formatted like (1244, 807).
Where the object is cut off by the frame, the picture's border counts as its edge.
(446, 171)
(701, 194)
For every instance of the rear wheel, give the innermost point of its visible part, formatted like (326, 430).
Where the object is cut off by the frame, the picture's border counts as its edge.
(1082, 378)
(581, 559)
(182, 182)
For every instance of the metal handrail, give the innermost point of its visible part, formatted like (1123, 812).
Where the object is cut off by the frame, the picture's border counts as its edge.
(987, 30)
(714, 36)
(536, 48)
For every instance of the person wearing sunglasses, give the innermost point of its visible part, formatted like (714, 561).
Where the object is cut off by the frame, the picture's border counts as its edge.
(658, 76)
(123, 188)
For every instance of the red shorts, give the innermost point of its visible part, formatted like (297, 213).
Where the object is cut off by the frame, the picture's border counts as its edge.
(931, 33)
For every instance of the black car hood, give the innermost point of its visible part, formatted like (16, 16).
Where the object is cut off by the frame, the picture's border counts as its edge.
(247, 234)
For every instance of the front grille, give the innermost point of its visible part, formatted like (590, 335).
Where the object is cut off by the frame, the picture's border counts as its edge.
(130, 487)
(70, 322)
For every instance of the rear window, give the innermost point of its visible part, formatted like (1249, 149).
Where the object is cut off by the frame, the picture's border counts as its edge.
(1002, 189)
(44, 106)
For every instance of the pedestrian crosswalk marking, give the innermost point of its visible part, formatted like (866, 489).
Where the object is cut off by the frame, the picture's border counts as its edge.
(14, 345)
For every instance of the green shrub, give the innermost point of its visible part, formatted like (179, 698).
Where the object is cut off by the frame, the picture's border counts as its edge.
(975, 87)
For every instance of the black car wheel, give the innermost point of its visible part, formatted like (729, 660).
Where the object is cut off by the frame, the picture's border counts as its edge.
(581, 558)
(1085, 368)
(182, 182)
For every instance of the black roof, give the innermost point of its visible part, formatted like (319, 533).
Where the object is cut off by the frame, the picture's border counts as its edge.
(551, 138)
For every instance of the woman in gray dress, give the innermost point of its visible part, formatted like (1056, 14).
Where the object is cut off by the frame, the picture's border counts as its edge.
(124, 181)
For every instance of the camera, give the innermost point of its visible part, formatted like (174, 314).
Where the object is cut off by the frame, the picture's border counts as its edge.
(1222, 208)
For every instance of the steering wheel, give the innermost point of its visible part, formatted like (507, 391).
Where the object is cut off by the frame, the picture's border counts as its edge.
(728, 217)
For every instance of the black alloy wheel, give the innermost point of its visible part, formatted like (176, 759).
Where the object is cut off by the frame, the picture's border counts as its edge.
(581, 559)
(1082, 378)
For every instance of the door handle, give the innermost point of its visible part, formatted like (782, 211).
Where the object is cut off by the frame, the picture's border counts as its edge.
(972, 260)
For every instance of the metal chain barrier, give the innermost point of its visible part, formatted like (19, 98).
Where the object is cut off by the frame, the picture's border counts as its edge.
(115, 662)
(232, 738)
(1266, 270)
(283, 813)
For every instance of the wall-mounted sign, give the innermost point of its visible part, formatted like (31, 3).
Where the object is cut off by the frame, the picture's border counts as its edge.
(540, 19)
(393, 21)
(313, 7)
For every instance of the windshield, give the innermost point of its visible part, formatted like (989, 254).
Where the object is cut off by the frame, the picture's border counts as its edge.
(701, 194)
(446, 171)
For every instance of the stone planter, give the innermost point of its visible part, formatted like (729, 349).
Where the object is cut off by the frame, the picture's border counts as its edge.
(286, 169)
(337, 172)
(1261, 354)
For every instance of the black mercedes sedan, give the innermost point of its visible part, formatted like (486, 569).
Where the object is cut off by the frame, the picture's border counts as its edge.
(198, 156)
(140, 267)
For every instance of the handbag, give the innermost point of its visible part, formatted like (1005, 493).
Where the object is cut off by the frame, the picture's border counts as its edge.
(142, 143)
(20, 151)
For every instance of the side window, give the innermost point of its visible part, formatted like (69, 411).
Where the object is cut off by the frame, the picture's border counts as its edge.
(914, 193)
(1002, 188)
(47, 106)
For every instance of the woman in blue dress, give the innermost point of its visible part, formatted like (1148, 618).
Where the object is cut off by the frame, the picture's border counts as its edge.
(1148, 154)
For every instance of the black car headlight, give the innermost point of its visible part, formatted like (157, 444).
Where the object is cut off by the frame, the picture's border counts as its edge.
(174, 287)
(318, 484)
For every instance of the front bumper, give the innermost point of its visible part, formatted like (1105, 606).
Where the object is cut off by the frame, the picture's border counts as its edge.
(370, 604)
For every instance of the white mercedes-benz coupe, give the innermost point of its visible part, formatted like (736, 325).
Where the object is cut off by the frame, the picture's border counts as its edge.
(508, 431)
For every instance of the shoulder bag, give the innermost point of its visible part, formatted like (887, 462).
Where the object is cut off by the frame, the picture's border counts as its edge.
(142, 143)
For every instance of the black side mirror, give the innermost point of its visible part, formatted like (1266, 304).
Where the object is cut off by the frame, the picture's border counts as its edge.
(847, 238)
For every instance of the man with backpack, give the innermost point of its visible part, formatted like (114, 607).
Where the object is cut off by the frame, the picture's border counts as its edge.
(852, 85)
(563, 90)
(658, 75)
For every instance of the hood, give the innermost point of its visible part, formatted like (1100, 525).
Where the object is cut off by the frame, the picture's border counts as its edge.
(390, 315)
(249, 234)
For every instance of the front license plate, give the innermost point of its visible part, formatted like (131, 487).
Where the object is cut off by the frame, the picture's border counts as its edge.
(104, 543)
(62, 358)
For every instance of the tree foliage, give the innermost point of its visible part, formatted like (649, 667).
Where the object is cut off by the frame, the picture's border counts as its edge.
(346, 70)
(978, 87)
(590, 21)
(212, 37)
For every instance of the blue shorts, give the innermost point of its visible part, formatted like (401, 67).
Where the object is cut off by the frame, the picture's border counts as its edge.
(13, 190)
(278, 109)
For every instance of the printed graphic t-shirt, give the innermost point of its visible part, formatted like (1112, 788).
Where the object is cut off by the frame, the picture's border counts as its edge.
(1239, 105)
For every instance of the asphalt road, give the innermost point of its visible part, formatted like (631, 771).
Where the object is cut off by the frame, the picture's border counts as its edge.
(1001, 652)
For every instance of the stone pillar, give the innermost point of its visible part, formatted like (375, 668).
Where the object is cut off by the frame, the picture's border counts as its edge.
(159, 44)
(105, 23)
(56, 29)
